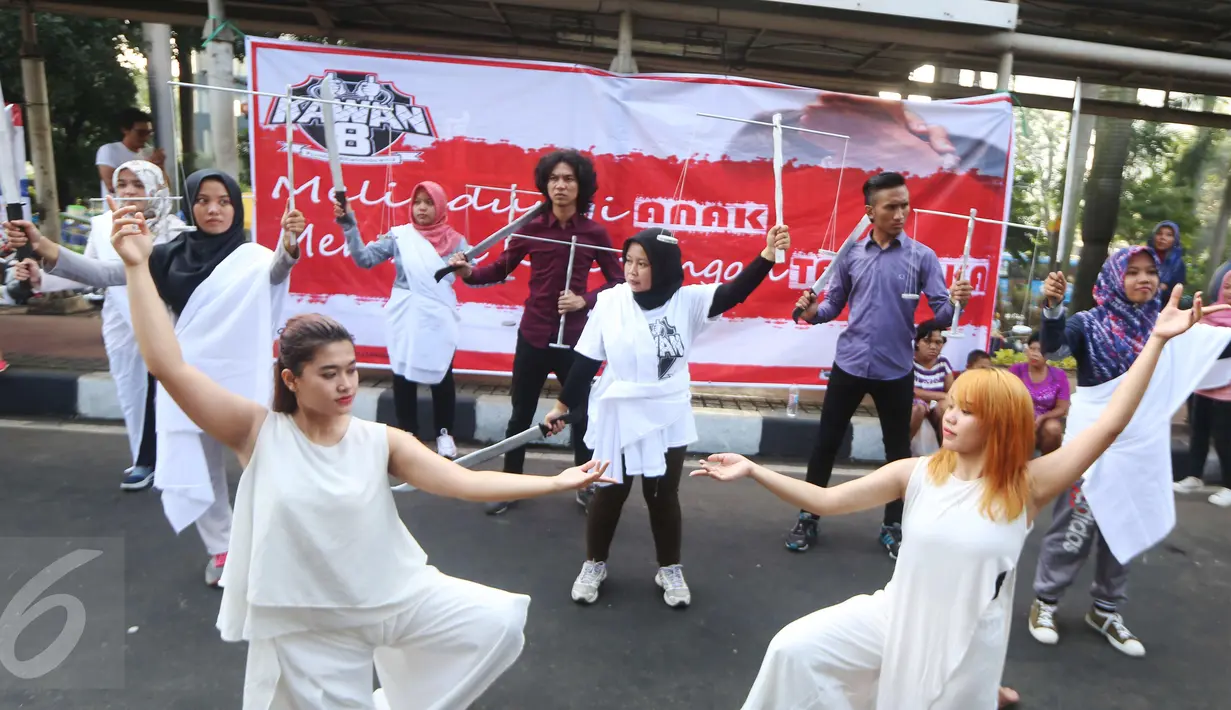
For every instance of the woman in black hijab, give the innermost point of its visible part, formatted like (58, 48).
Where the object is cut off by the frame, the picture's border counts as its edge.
(178, 268)
(640, 413)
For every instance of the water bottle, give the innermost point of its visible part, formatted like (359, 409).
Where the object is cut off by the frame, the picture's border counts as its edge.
(792, 402)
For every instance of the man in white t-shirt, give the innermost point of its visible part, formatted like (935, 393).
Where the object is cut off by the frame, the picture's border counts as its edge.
(137, 126)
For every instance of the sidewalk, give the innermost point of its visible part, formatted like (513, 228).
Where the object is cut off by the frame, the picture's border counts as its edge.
(58, 368)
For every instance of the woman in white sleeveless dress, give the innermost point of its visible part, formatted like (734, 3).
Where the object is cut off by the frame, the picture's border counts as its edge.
(935, 637)
(323, 579)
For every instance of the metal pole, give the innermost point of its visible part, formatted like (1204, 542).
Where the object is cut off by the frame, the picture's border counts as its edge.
(624, 63)
(568, 286)
(222, 108)
(290, 149)
(158, 48)
(961, 274)
(779, 254)
(1072, 172)
(38, 128)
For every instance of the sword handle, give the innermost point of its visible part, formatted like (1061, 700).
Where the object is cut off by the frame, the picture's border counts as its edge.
(14, 212)
(568, 418)
(795, 314)
(340, 196)
(445, 271)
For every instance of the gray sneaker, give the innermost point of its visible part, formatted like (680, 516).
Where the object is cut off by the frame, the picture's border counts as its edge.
(675, 589)
(585, 587)
(213, 569)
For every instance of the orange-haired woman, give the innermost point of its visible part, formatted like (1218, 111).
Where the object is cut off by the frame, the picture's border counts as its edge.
(935, 637)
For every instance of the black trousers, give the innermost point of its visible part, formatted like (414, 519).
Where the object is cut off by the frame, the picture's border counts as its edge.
(842, 397)
(662, 498)
(531, 366)
(147, 452)
(406, 404)
(1210, 417)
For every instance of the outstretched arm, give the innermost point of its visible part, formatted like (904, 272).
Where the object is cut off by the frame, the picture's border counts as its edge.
(737, 290)
(885, 484)
(1058, 471)
(365, 256)
(222, 414)
(414, 463)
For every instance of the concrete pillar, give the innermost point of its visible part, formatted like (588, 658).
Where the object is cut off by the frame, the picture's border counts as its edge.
(220, 59)
(38, 128)
(1075, 184)
(158, 68)
(624, 62)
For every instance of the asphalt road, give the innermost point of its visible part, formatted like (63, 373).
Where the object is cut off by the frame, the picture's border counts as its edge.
(149, 640)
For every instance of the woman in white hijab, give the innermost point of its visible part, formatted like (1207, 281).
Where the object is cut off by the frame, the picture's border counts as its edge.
(144, 184)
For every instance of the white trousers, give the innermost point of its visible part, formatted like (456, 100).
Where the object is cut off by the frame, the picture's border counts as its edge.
(442, 654)
(831, 660)
(214, 525)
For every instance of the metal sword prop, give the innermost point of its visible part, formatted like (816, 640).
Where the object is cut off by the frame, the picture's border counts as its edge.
(11, 188)
(568, 275)
(331, 144)
(534, 434)
(497, 236)
(776, 125)
(960, 274)
(822, 282)
(1072, 172)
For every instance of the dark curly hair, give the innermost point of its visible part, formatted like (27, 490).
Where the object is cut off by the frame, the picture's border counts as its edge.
(583, 168)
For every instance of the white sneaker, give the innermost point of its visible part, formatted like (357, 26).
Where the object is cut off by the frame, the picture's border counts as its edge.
(1221, 498)
(675, 589)
(445, 446)
(1042, 623)
(585, 587)
(1192, 484)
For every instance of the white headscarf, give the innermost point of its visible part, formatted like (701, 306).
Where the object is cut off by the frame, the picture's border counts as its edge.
(158, 203)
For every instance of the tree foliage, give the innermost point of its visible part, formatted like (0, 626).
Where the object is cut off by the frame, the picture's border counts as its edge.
(87, 87)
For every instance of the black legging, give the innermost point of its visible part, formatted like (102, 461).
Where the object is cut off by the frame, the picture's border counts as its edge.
(662, 497)
(406, 403)
(147, 452)
(1209, 417)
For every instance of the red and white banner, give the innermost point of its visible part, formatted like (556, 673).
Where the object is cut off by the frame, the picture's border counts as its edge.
(478, 126)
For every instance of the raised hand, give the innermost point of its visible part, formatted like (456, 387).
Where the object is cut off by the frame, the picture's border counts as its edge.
(961, 291)
(19, 233)
(808, 303)
(583, 475)
(724, 467)
(463, 265)
(555, 418)
(1055, 286)
(129, 234)
(778, 238)
(293, 225)
(1173, 321)
(28, 270)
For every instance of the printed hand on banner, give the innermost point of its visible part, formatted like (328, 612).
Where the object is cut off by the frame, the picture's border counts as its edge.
(130, 235)
(28, 270)
(463, 266)
(293, 225)
(778, 237)
(961, 292)
(570, 302)
(1054, 288)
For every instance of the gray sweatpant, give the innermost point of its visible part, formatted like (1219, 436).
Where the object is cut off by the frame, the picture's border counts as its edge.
(1066, 545)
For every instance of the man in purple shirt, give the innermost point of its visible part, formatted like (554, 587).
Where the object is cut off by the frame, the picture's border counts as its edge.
(568, 180)
(875, 354)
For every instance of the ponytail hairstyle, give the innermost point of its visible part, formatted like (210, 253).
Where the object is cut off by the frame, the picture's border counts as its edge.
(297, 345)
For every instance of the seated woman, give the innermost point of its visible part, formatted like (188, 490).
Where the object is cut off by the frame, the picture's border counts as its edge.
(1049, 390)
(933, 378)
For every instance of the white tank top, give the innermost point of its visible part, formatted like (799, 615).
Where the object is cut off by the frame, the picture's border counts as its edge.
(317, 542)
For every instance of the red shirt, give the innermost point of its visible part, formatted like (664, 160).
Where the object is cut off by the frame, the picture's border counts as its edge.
(540, 322)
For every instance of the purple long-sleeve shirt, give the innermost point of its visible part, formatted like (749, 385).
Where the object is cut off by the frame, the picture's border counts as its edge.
(879, 340)
(548, 262)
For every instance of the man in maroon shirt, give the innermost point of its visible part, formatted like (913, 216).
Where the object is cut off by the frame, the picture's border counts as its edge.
(567, 179)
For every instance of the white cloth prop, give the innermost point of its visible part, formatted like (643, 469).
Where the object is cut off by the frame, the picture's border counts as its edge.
(1129, 486)
(123, 354)
(934, 639)
(642, 404)
(226, 331)
(422, 323)
(323, 578)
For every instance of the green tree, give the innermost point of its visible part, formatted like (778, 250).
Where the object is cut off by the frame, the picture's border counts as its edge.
(86, 84)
